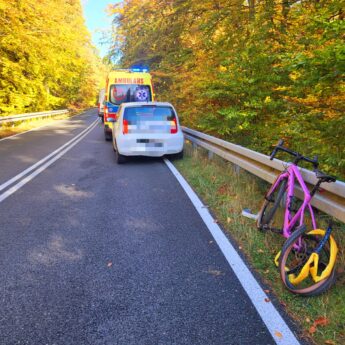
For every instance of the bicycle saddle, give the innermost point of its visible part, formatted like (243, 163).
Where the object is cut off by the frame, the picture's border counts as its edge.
(324, 177)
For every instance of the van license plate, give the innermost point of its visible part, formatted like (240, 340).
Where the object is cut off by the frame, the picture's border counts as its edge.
(150, 142)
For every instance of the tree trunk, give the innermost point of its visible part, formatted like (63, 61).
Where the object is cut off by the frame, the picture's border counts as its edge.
(285, 13)
(251, 4)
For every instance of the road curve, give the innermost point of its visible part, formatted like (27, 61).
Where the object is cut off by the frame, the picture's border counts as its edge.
(92, 252)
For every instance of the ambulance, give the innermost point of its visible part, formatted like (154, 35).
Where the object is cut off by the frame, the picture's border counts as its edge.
(123, 86)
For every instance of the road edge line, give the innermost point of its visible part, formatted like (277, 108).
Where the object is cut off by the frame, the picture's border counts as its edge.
(276, 325)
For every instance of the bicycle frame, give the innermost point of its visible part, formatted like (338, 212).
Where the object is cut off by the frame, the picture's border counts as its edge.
(291, 174)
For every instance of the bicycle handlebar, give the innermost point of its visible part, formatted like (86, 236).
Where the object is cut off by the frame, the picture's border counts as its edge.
(299, 157)
(275, 150)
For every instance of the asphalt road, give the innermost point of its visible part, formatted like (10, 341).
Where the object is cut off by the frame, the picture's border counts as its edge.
(19, 152)
(92, 252)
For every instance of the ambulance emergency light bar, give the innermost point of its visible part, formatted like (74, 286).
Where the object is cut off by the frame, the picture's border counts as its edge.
(136, 68)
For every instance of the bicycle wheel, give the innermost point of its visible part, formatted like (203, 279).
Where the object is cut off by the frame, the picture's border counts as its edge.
(269, 208)
(307, 262)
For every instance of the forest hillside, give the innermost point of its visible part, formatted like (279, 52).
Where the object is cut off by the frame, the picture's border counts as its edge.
(249, 71)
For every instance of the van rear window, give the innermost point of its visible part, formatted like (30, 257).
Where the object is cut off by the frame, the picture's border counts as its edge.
(149, 119)
(121, 93)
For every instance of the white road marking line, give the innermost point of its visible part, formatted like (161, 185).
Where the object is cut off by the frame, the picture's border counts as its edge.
(276, 325)
(28, 178)
(34, 166)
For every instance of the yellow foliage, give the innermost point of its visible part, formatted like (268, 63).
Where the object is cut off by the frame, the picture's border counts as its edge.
(294, 75)
(46, 56)
(268, 99)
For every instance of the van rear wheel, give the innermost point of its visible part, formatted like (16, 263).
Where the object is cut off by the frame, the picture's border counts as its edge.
(120, 159)
(177, 156)
(107, 136)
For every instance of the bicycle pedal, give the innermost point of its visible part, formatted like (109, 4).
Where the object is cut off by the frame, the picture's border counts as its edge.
(248, 214)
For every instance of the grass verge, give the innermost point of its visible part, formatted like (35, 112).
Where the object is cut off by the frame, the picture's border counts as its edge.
(227, 191)
(9, 129)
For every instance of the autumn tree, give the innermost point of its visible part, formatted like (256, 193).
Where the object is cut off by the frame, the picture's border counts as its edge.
(248, 71)
(46, 57)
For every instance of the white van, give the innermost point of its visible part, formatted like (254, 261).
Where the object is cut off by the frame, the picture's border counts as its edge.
(101, 99)
(147, 129)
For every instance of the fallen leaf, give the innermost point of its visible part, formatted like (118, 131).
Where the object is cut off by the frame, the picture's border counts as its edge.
(110, 264)
(210, 241)
(267, 300)
(278, 334)
(240, 247)
(307, 319)
(267, 291)
(283, 304)
(260, 251)
(215, 272)
(330, 342)
(267, 271)
(228, 220)
(312, 329)
(222, 190)
(321, 321)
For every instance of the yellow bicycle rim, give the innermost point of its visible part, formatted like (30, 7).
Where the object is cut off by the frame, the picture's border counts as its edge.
(311, 266)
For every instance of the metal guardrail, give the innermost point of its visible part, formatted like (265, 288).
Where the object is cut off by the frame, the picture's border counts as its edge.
(27, 116)
(330, 201)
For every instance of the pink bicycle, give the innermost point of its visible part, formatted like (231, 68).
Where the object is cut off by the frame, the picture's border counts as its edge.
(307, 259)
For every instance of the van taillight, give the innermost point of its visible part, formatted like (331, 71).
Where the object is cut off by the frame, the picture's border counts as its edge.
(173, 128)
(105, 111)
(125, 127)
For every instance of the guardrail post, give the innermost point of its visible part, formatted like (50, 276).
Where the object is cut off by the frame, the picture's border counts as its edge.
(237, 169)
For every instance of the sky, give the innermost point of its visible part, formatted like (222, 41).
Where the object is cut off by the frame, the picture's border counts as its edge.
(98, 21)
